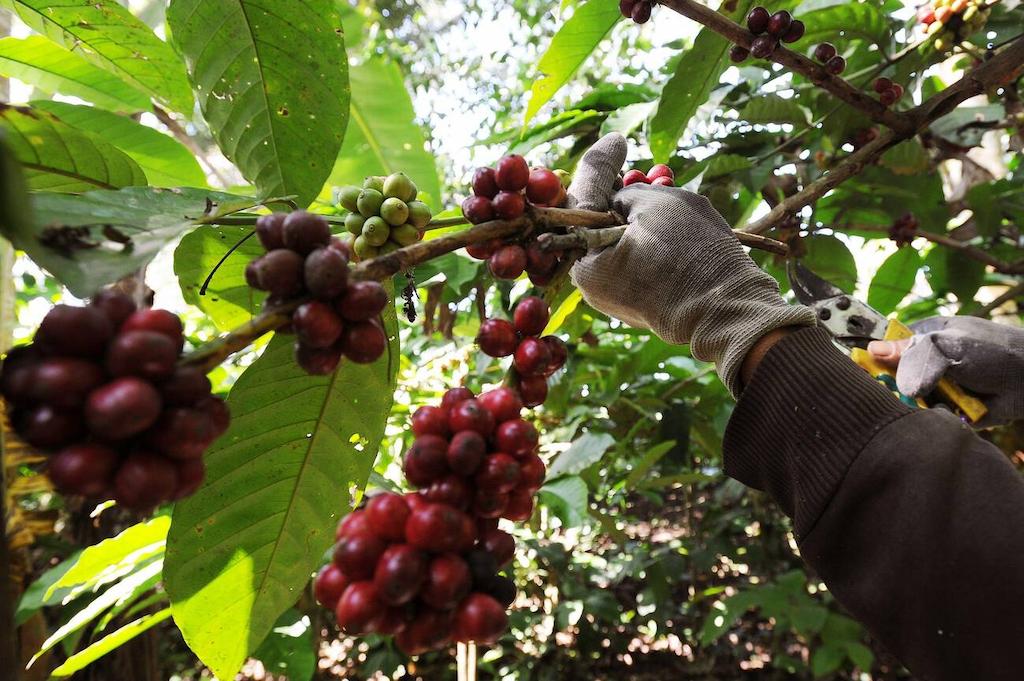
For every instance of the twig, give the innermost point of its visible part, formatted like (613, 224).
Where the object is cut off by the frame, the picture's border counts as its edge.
(1008, 295)
(590, 239)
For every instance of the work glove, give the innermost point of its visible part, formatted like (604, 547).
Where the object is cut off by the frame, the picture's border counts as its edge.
(983, 357)
(678, 270)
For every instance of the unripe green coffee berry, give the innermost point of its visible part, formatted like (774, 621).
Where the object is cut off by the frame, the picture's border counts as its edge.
(347, 197)
(405, 235)
(376, 231)
(419, 214)
(394, 211)
(389, 247)
(354, 223)
(362, 249)
(399, 186)
(564, 176)
(369, 202)
(374, 182)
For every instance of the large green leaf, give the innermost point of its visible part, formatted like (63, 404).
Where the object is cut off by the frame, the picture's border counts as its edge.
(771, 108)
(70, 235)
(575, 41)
(243, 547)
(166, 162)
(567, 497)
(272, 83)
(15, 210)
(227, 300)
(56, 157)
(108, 643)
(894, 280)
(582, 454)
(383, 136)
(696, 75)
(49, 67)
(849, 20)
(829, 258)
(109, 36)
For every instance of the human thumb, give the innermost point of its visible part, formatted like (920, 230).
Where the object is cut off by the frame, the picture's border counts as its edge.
(593, 183)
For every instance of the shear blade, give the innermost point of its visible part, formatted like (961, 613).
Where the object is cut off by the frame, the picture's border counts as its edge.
(808, 287)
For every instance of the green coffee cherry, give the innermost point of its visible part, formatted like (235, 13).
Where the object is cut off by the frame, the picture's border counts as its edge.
(419, 214)
(389, 247)
(374, 182)
(347, 197)
(564, 176)
(362, 249)
(399, 186)
(376, 231)
(354, 223)
(405, 235)
(349, 239)
(394, 211)
(369, 202)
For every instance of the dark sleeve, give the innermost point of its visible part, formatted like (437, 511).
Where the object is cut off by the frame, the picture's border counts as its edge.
(915, 524)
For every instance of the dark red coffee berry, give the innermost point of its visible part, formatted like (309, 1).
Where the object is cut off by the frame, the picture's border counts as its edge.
(480, 618)
(364, 342)
(363, 300)
(484, 183)
(626, 7)
(663, 182)
(503, 403)
(342, 247)
(84, 469)
(478, 209)
(532, 357)
(795, 32)
(280, 273)
(512, 173)
(191, 473)
(763, 46)
(47, 426)
(533, 390)
(326, 273)
(835, 65)
(501, 545)
(157, 321)
(517, 437)
(532, 472)
(181, 433)
(185, 387)
(387, 514)
(499, 473)
(660, 170)
(448, 581)
(779, 23)
(633, 177)
(642, 12)
(144, 480)
(484, 249)
(888, 98)
(426, 460)
(824, 52)
(64, 381)
(453, 396)
(882, 84)
(356, 522)
(429, 630)
(270, 230)
(520, 506)
(17, 374)
(115, 305)
(434, 527)
(758, 20)
(508, 262)
(430, 420)
(329, 585)
(738, 54)
(252, 274)
(316, 324)
(451, 490)
(304, 232)
(218, 412)
(317, 361)
(74, 332)
(122, 408)
(359, 608)
(509, 205)
(471, 415)
(399, 573)
(488, 504)
(559, 353)
(497, 337)
(501, 589)
(531, 316)
(466, 451)
(542, 186)
(146, 354)
(357, 554)
(539, 261)
(898, 89)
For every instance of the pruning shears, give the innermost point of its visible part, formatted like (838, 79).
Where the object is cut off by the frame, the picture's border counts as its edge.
(854, 324)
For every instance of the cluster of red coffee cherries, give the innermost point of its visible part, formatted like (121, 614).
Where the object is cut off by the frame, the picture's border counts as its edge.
(659, 175)
(826, 54)
(770, 29)
(903, 229)
(888, 92)
(100, 390)
(303, 260)
(637, 10)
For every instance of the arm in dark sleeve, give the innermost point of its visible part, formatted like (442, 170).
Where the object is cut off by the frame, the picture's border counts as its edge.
(915, 524)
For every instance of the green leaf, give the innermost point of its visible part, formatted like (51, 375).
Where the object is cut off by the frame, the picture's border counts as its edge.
(56, 157)
(151, 217)
(809, 619)
(826, 660)
(49, 67)
(860, 654)
(572, 44)
(986, 202)
(39, 593)
(567, 498)
(894, 280)
(228, 301)
(166, 162)
(906, 158)
(383, 136)
(830, 259)
(273, 86)
(566, 308)
(15, 209)
(96, 650)
(849, 20)
(653, 456)
(289, 652)
(242, 548)
(774, 109)
(109, 36)
(583, 453)
(949, 272)
(725, 164)
(696, 75)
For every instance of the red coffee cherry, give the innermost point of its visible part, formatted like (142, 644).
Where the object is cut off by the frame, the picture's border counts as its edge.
(642, 12)
(451, 490)
(356, 522)
(835, 65)
(559, 353)
(738, 54)
(157, 321)
(17, 374)
(304, 232)
(269, 230)
(122, 408)
(478, 209)
(758, 20)
(501, 589)
(435, 527)
(501, 545)
(386, 514)
(47, 426)
(218, 412)
(503, 403)
(426, 460)
(484, 249)
(74, 332)
(497, 337)
(763, 46)
(116, 306)
(399, 574)
(467, 533)
(429, 630)
(480, 618)
(489, 504)
(543, 186)
(888, 98)
(499, 473)
(144, 480)
(539, 261)
(316, 324)
(359, 608)
(520, 506)
(430, 420)
(531, 316)
(392, 622)
(795, 32)
(191, 473)
(448, 582)
(64, 381)
(660, 170)
(466, 451)
(363, 300)
(633, 177)
(455, 395)
(517, 437)
(484, 183)
(357, 554)
(509, 205)
(626, 7)
(317, 361)
(532, 357)
(185, 387)
(364, 342)
(779, 23)
(280, 273)
(326, 273)
(181, 433)
(84, 469)
(146, 354)
(533, 390)
(508, 262)
(532, 472)
(824, 52)
(329, 585)
(512, 173)
(471, 415)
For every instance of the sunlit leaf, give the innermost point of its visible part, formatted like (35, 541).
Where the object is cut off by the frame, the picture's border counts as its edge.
(830, 259)
(894, 280)
(96, 650)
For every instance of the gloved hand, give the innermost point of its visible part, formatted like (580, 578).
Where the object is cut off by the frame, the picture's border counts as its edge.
(985, 358)
(678, 270)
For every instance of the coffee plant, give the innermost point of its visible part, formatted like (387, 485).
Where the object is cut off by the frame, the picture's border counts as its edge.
(295, 381)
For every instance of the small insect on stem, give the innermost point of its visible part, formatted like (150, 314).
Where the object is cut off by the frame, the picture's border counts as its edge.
(410, 295)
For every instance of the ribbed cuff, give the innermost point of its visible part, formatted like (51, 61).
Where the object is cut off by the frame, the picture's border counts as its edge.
(802, 420)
